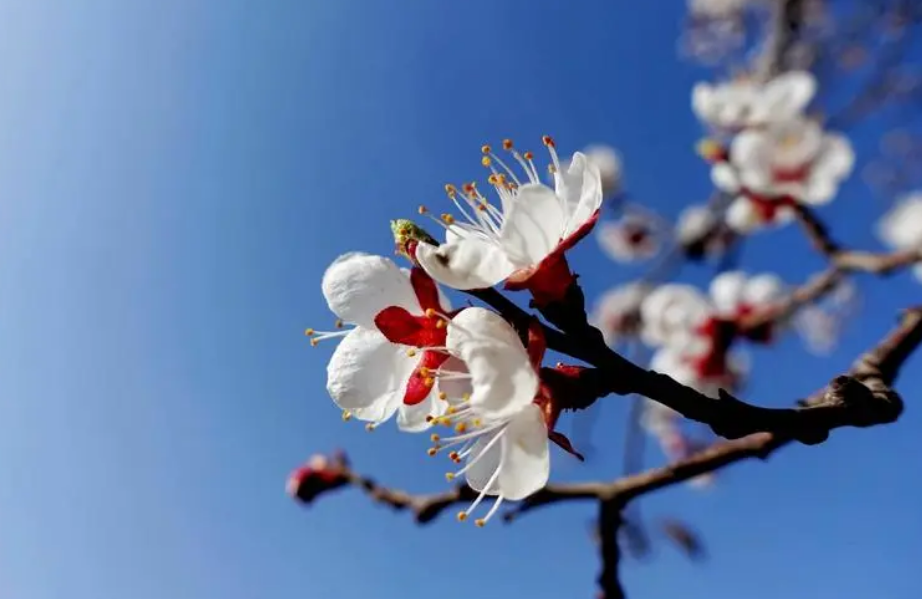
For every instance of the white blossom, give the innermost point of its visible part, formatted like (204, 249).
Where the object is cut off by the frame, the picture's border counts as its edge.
(743, 102)
(901, 227)
(530, 223)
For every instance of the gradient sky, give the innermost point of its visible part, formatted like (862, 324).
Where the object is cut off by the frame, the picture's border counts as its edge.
(174, 177)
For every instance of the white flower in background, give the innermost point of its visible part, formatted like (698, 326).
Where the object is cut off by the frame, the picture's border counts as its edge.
(381, 365)
(717, 9)
(608, 161)
(901, 227)
(672, 314)
(701, 232)
(526, 234)
(706, 371)
(794, 158)
(634, 236)
(745, 103)
(695, 332)
(665, 425)
(501, 434)
(820, 324)
(617, 311)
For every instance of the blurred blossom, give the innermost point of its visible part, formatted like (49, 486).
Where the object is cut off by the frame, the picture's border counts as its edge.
(820, 324)
(665, 425)
(901, 227)
(745, 102)
(695, 332)
(709, 41)
(701, 233)
(617, 312)
(634, 236)
(318, 475)
(717, 9)
(769, 169)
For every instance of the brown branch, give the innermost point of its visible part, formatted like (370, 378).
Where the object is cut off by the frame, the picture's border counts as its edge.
(610, 522)
(878, 263)
(425, 508)
(868, 380)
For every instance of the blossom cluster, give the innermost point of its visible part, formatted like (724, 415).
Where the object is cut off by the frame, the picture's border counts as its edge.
(466, 375)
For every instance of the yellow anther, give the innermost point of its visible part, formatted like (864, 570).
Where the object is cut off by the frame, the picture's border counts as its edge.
(480, 522)
(422, 209)
(347, 415)
(423, 371)
(481, 207)
(444, 421)
(370, 427)
(449, 476)
(451, 190)
(430, 313)
(314, 342)
(486, 149)
(448, 219)
(493, 179)
(431, 452)
(308, 332)
(485, 161)
(551, 169)
(453, 456)
(338, 324)
(466, 397)
(440, 324)
(452, 410)
(411, 353)
(429, 381)
(443, 396)
(434, 438)
(476, 422)
(548, 141)
(528, 155)
(507, 144)
(709, 149)
(461, 427)
(462, 516)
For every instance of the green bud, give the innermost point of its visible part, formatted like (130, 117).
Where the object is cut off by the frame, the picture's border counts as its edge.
(405, 231)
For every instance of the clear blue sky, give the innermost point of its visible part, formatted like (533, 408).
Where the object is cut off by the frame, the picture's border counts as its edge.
(175, 176)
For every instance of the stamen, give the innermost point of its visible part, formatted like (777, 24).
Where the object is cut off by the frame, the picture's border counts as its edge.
(483, 521)
(347, 415)
(483, 494)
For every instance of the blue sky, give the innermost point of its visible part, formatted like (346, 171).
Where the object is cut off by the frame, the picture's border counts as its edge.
(174, 178)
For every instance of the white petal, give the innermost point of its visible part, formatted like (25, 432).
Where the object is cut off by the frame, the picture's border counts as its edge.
(368, 375)
(533, 224)
(608, 161)
(724, 177)
(703, 101)
(819, 190)
(469, 263)
(412, 419)
(674, 363)
(357, 286)
(525, 463)
(580, 188)
(749, 153)
(901, 227)
(693, 223)
(836, 158)
(484, 459)
(671, 313)
(786, 96)
(727, 290)
(763, 289)
(502, 377)
(742, 216)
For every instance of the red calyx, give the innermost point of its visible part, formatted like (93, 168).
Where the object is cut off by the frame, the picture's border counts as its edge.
(768, 207)
(549, 280)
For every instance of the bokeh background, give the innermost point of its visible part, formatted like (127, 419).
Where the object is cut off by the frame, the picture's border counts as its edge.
(174, 177)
